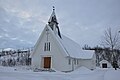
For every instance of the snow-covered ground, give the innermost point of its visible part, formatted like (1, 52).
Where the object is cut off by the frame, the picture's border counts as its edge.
(21, 73)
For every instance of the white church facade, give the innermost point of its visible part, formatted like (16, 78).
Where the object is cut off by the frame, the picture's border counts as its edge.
(53, 50)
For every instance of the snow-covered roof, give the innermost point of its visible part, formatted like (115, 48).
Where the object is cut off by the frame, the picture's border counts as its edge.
(104, 61)
(24, 50)
(72, 48)
(8, 49)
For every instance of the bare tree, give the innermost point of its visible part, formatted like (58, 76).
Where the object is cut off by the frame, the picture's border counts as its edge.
(111, 40)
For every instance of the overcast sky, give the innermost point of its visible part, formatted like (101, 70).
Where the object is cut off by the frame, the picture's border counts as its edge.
(84, 21)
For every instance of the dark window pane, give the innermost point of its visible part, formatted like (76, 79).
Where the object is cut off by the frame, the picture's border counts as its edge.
(49, 46)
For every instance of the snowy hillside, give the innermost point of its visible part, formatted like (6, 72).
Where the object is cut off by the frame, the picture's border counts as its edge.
(15, 57)
(18, 73)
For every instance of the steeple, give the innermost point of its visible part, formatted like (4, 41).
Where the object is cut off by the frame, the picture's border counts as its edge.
(53, 23)
(53, 19)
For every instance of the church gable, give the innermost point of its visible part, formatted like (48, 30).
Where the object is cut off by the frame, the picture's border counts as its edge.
(48, 43)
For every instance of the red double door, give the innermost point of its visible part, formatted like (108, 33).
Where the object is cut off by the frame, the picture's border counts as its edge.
(47, 62)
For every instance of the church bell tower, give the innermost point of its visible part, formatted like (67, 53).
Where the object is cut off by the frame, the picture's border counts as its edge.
(53, 23)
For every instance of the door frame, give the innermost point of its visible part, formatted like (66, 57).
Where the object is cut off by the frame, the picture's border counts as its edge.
(48, 61)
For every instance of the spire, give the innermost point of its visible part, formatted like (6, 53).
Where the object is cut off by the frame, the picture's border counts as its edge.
(52, 22)
(53, 17)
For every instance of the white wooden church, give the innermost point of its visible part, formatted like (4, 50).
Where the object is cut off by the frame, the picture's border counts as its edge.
(53, 50)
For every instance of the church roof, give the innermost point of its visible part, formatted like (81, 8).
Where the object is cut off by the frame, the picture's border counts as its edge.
(74, 49)
(71, 48)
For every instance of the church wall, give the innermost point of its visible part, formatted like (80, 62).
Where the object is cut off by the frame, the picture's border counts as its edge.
(58, 59)
(88, 63)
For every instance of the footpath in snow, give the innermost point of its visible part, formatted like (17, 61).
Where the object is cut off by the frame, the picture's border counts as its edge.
(18, 73)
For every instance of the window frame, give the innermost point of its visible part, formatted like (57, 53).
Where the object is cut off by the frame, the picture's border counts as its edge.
(47, 46)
